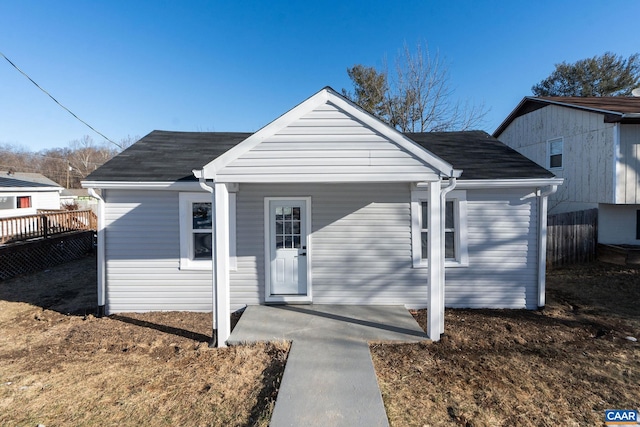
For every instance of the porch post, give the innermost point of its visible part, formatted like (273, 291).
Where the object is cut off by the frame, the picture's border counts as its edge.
(543, 196)
(435, 313)
(102, 277)
(220, 273)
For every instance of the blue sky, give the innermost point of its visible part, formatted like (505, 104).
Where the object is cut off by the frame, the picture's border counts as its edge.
(129, 67)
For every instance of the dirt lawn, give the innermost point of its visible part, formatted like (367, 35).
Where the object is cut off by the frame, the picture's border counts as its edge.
(61, 366)
(562, 366)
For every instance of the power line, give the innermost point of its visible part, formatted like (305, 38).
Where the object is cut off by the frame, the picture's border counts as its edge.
(56, 101)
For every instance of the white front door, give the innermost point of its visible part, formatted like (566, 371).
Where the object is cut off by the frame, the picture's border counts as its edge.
(287, 261)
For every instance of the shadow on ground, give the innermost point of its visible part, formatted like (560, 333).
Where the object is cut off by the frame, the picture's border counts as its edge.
(69, 288)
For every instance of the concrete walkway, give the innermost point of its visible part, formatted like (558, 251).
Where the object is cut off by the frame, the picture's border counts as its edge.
(329, 379)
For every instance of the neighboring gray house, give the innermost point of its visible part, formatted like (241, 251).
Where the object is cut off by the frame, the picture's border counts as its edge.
(324, 205)
(594, 144)
(23, 193)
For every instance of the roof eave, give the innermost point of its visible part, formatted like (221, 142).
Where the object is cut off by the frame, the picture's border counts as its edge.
(470, 184)
(143, 185)
(512, 116)
(30, 189)
(609, 115)
(629, 118)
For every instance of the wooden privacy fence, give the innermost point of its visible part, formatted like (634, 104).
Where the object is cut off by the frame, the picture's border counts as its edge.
(572, 237)
(46, 224)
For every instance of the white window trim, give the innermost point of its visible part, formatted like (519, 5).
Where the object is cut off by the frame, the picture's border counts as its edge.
(459, 197)
(186, 236)
(549, 142)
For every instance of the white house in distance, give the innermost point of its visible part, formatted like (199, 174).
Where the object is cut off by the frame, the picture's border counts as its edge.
(23, 193)
(324, 205)
(594, 144)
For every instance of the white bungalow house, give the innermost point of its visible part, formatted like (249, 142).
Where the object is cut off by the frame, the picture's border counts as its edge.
(594, 144)
(23, 193)
(324, 205)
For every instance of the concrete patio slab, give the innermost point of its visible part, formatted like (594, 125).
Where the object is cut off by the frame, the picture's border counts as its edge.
(329, 379)
(262, 323)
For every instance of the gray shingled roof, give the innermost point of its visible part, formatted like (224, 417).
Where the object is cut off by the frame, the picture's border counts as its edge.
(479, 155)
(24, 180)
(165, 156)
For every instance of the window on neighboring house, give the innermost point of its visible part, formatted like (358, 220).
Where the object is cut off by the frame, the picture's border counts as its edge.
(7, 202)
(637, 225)
(196, 228)
(555, 150)
(455, 237)
(23, 202)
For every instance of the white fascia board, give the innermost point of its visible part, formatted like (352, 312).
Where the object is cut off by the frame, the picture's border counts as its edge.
(323, 178)
(28, 189)
(322, 97)
(143, 185)
(503, 183)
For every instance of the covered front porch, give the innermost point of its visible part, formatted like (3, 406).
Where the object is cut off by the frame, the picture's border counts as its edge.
(358, 176)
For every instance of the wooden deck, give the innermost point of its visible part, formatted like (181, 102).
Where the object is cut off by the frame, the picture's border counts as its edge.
(46, 224)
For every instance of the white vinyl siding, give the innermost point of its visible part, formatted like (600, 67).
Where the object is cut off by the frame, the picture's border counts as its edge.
(39, 200)
(327, 144)
(45, 200)
(502, 232)
(360, 250)
(360, 243)
(143, 255)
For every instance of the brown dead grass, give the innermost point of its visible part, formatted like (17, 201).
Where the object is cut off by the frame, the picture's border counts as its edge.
(563, 365)
(59, 365)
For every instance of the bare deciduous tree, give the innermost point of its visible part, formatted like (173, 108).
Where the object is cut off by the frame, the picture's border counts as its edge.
(417, 98)
(66, 166)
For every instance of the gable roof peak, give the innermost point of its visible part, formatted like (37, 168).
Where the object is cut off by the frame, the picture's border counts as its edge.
(322, 97)
(615, 108)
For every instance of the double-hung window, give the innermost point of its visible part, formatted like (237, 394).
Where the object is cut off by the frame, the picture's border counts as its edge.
(555, 149)
(455, 229)
(201, 226)
(196, 231)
